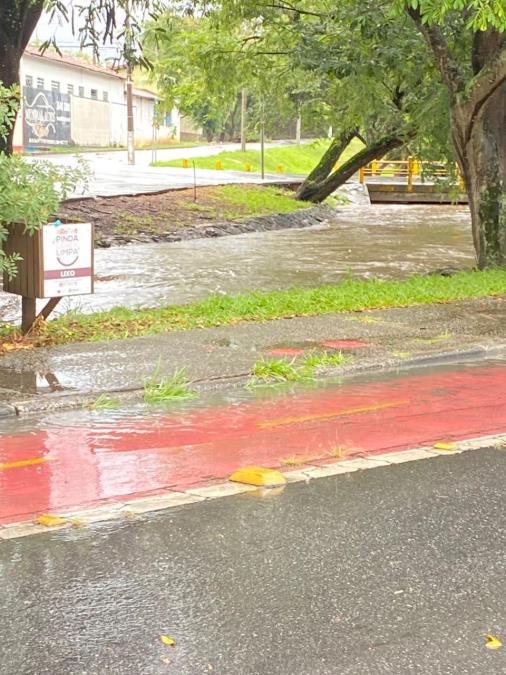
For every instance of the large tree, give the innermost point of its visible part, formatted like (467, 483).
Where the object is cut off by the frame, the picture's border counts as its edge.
(467, 41)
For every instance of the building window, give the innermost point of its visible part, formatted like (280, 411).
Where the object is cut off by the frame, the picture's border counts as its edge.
(94, 93)
(81, 92)
(105, 95)
(55, 86)
(70, 89)
(29, 81)
(168, 119)
(40, 83)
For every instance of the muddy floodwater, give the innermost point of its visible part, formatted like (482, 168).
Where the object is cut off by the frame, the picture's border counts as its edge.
(389, 241)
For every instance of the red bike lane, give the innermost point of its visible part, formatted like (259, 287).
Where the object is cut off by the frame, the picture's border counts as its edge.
(58, 468)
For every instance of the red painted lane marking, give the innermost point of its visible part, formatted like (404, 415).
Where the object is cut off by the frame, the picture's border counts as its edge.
(135, 457)
(345, 344)
(285, 351)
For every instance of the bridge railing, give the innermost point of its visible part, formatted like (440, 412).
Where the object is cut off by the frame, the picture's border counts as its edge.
(410, 169)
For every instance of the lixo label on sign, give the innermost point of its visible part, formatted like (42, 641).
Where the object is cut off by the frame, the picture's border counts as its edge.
(67, 254)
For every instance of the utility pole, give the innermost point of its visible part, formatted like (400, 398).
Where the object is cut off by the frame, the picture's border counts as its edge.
(128, 51)
(262, 140)
(298, 131)
(244, 103)
(130, 116)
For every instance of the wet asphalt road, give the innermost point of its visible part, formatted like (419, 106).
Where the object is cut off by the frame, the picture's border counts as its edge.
(392, 570)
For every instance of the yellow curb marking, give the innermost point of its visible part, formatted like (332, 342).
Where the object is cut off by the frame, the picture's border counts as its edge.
(50, 521)
(340, 413)
(258, 475)
(25, 462)
(449, 446)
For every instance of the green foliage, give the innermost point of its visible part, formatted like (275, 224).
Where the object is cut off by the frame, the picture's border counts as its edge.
(478, 14)
(30, 192)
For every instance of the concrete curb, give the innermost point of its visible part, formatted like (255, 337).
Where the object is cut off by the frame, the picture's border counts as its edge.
(66, 401)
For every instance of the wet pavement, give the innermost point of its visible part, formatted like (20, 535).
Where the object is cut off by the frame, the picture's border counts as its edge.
(387, 242)
(390, 571)
(55, 463)
(111, 174)
(74, 374)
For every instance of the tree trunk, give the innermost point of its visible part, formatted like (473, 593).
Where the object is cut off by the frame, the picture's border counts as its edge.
(482, 160)
(17, 23)
(326, 164)
(314, 190)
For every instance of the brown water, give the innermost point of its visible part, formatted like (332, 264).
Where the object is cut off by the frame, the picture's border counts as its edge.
(385, 241)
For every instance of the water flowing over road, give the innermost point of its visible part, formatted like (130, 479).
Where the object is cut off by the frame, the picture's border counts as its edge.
(389, 241)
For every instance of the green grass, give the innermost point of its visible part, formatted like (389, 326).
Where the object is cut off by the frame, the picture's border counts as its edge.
(318, 360)
(274, 370)
(221, 310)
(103, 402)
(160, 389)
(234, 202)
(298, 159)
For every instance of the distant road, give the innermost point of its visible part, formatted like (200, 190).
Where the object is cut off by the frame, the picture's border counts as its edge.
(113, 176)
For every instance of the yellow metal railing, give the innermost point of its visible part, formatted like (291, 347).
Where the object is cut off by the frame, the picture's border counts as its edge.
(409, 169)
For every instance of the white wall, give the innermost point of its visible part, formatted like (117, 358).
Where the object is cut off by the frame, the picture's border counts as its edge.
(106, 127)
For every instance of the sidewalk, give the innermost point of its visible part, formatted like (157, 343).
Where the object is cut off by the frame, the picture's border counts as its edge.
(68, 376)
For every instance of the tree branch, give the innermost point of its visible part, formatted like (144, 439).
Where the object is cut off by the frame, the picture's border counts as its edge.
(445, 59)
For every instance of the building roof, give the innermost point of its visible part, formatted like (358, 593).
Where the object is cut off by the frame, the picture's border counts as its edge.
(76, 62)
(73, 61)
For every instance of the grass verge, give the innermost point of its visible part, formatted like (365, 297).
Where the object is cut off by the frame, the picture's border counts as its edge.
(298, 159)
(221, 310)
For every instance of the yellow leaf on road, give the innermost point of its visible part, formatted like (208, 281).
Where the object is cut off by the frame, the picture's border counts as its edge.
(492, 642)
(167, 640)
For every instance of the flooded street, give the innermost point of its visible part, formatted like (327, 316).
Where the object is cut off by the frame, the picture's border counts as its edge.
(389, 241)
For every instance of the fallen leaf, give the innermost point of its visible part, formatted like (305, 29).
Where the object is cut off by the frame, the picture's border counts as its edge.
(445, 445)
(50, 521)
(492, 642)
(167, 640)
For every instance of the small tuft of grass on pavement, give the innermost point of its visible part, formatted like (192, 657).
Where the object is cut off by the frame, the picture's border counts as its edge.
(275, 370)
(160, 389)
(103, 402)
(318, 360)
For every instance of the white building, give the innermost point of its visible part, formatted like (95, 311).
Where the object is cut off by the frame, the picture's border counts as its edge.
(68, 101)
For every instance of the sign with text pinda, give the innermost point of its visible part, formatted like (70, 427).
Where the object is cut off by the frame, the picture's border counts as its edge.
(67, 259)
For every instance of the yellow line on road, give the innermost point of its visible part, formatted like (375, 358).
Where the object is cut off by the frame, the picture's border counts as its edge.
(339, 413)
(24, 462)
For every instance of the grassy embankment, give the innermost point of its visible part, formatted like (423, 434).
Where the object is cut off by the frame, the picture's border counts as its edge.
(236, 202)
(219, 310)
(297, 159)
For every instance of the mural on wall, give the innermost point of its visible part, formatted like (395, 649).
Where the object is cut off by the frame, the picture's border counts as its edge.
(46, 117)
